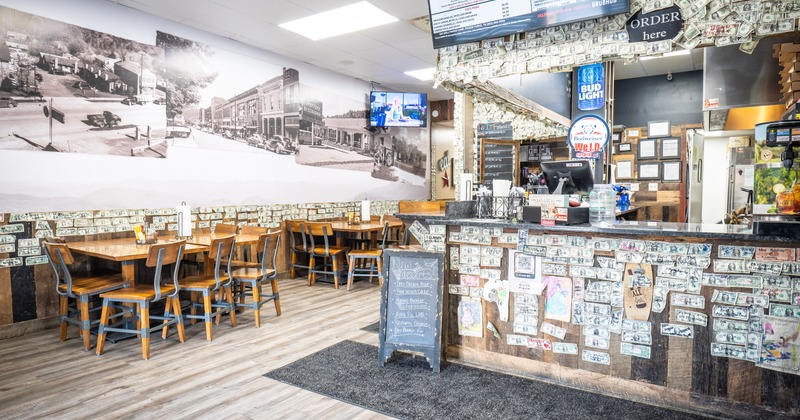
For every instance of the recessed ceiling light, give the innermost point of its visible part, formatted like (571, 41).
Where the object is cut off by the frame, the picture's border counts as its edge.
(422, 74)
(343, 20)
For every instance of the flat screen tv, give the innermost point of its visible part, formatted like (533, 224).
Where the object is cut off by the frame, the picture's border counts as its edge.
(398, 109)
(575, 176)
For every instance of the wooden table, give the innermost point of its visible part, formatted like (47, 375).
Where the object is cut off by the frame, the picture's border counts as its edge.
(124, 250)
(205, 239)
(340, 227)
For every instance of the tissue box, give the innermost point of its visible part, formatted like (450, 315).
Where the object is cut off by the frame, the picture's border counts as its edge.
(564, 215)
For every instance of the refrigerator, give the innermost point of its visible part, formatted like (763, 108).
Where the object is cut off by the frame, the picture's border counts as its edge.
(694, 180)
(741, 174)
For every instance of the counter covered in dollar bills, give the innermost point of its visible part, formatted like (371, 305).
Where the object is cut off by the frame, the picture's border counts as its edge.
(704, 317)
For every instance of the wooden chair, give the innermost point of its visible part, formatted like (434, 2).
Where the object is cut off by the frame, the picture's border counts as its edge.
(142, 295)
(77, 289)
(248, 280)
(320, 236)
(220, 250)
(397, 234)
(244, 258)
(374, 257)
(223, 229)
(301, 247)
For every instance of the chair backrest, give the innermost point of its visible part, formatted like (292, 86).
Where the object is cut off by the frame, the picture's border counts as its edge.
(161, 255)
(223, 229)
(396, 233)
(268, 244)
(221, 250)
(60, 257)
(297, 233)
(253, 230)
(384, 235)
(321, 230)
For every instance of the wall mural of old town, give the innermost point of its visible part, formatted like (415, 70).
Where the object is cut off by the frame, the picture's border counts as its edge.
(103, 104)
(70, 89)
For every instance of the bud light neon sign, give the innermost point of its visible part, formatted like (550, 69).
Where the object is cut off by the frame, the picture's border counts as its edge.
(591, 87)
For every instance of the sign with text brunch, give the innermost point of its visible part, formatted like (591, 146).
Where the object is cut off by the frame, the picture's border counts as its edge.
(588, 136)
(654, 26)
(455, 22)
(591, 87)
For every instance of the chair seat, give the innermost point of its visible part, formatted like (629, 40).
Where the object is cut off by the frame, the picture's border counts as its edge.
(333, 250)
(251, 273)
(366, 253)
(197, 282)
(137, 292)
(94, 285)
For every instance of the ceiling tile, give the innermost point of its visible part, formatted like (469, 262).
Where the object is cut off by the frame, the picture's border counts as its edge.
(272, 11)
(382, 54)
(352, 42)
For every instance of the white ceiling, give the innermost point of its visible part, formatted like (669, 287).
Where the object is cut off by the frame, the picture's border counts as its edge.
(379, 55)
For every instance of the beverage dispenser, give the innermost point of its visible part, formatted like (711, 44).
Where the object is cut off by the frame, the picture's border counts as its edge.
(776, 207)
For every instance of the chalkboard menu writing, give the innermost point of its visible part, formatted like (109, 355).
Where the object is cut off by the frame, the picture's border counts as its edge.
(498, 160)
(411, 305)
(498, 130)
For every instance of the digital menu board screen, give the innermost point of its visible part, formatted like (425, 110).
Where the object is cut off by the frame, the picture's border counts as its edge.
(458, 21)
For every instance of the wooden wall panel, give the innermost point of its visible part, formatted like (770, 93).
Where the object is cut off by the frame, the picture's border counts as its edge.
(677, 365)
(679, 370)
(654, 370)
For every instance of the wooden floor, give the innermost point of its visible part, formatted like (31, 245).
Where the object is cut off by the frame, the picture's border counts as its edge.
(42, 377)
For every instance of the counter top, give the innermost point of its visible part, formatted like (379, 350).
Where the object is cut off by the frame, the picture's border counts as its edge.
(695, 230)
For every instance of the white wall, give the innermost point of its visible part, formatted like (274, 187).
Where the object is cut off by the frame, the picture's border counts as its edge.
(43, 181)
(715, 179)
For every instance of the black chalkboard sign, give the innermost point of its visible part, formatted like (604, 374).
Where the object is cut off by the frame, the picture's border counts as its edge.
(411, 304)
(497, 130)
(499, 160)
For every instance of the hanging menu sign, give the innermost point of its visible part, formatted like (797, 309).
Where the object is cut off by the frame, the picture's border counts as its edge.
(458, 21)
(498, 162)
(411, 304)
(497, 130)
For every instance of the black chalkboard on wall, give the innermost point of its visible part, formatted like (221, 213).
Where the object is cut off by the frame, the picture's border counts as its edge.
(498, 160)
(411, 304)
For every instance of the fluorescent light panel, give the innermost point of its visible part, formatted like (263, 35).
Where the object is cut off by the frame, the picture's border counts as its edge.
(422, 74)
(344, 20)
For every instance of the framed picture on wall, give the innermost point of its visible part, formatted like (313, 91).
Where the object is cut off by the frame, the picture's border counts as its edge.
(670, 148)
(649, 171)
(624, 148)
(671, 171)
(624, 169)
(646, 149)
(658, 129)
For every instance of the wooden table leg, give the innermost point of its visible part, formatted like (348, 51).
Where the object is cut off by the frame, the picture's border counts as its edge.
(128, 271)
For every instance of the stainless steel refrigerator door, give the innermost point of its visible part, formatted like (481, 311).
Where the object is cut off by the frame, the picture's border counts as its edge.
(742, 169)
(694, 182)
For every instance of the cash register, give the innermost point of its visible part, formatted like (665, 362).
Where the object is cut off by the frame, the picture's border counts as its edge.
(563, 179)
